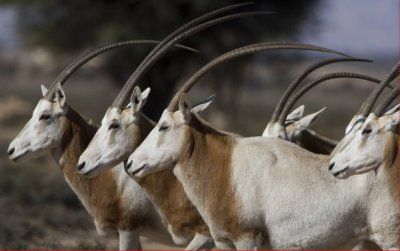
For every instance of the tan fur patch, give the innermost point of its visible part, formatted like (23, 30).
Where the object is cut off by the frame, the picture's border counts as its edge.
(392, 165)
(167, 193)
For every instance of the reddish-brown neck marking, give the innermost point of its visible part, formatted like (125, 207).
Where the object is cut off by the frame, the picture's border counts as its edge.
(206, 165)
(100, 195)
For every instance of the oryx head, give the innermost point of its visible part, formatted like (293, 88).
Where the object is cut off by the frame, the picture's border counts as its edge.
(363, 147)
(280, 125)
(365, 150)
(44, 131)
(295, 124)
(169, 138)
(117, 137)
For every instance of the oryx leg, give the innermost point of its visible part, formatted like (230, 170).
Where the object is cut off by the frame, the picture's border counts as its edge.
(366, 245)
(248, 244)
(129, 240)
(387, 242)
(223, 244)
(200, 241)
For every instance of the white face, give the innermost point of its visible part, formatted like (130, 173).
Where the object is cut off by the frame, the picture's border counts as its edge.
(43, 132)
(164, 145)
(116, 139)
(364, 149)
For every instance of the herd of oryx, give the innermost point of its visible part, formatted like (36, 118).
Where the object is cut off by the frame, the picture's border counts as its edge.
(183, 182)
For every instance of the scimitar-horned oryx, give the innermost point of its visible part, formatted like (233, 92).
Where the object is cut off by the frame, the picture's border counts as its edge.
(115, 202)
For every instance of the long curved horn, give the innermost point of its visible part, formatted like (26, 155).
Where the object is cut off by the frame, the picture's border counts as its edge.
(240, 52)
(366, 107)
(145, 66)
(381, 108)
(315, 82)
(189, 25)
(293, 85)
(89, 55)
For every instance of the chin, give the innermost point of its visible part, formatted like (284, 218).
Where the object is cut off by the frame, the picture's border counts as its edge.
(26, 155)
(92, 172)
(343, 176)
(141, 174)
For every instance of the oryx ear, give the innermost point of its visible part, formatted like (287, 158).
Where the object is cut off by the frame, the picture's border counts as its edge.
(305, 122)
(391, 121)
(185, 107)
(203, 105)
(60, 95)
(136, 100)
(145, 94)
(392, 110)
(44, 90)
(296, 114)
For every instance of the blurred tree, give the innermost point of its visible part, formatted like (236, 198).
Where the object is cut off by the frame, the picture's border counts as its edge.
(72, 25)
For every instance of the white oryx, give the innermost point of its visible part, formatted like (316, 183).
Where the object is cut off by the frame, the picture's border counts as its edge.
(252, 191)
(115, 202)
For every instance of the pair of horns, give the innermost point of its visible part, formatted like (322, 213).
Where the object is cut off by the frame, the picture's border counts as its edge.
(89, 55)
(252, 48)
(296, 82)
(181, 33)
(382, 107)
(373, 97)
(316, 82)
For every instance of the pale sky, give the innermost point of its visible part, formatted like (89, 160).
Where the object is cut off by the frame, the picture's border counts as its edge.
(357, 26)
(8, 35)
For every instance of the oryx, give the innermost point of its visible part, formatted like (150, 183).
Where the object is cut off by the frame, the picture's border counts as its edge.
(116, 203)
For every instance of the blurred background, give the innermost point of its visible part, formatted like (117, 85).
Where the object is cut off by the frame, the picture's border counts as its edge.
(39, 38)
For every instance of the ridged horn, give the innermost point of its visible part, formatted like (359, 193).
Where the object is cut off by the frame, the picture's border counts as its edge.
(295, 83)
(382, 107)
(240, 52)
(145, 66)
(89, 55)
(316, 82)
(366, 107)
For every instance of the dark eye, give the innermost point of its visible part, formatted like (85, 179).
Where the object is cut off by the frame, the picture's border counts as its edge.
(366, 131)
(113, 126)
(163, 128)
(44, 117)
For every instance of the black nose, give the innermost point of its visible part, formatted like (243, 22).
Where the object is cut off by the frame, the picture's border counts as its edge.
(128, 165)
(11, 151)
(331, 165)
(81, 165)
